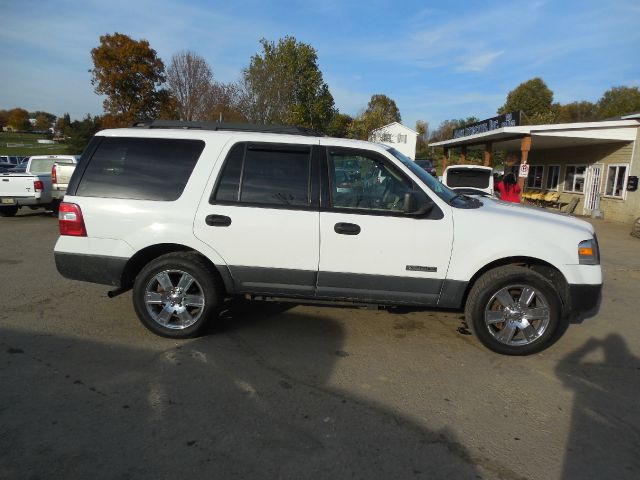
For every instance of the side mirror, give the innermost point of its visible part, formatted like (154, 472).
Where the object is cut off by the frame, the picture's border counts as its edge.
(416, 204)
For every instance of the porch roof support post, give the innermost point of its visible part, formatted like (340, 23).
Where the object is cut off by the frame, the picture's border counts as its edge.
(463, 155)
(488, 154)
(525, 147)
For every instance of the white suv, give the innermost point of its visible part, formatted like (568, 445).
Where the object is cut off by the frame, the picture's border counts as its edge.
(188, 214)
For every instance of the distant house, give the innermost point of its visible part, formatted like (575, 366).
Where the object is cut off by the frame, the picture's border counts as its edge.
(397, 136)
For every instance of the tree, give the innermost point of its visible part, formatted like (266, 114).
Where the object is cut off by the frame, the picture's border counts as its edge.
(80, 132)
(619, 101)
(535, 100)
(42, 123)
(284, 85)
(223, 103)
(50, 117)
(4, 118)
(446, 128)
(381, 110)
(339, 126)
(577, 112)
(130, 74)
(422, 128)
(19, 119)
(62, 124)
(190, 81)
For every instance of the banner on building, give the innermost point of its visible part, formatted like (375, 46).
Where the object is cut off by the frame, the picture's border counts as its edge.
(507, 120)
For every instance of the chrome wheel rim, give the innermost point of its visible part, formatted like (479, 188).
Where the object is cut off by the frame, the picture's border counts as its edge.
(517, 315)
(174, 299)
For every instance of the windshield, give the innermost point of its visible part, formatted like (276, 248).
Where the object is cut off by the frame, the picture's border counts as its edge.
(434, 185)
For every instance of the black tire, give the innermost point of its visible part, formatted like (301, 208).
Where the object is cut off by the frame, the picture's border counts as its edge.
(507, 329)
(55, 206)
(8, 211)
(168, 311)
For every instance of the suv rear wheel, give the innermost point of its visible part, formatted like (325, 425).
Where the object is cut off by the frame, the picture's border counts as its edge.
(513, 310)
(176, 294)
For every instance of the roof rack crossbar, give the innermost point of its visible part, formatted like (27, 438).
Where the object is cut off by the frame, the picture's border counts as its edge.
(237, 127)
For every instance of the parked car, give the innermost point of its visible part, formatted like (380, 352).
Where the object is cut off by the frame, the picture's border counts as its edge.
(469, 179)
(30, 187)
(61, 171)
(9, 161)
(427, 165)
(188, 214)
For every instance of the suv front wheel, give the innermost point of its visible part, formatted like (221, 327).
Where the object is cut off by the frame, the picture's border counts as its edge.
(176, 294)
(513, 310)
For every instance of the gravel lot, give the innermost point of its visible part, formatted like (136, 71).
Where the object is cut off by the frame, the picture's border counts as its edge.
(305, 392)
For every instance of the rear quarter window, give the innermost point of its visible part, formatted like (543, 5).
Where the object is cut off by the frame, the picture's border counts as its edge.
(140, 168)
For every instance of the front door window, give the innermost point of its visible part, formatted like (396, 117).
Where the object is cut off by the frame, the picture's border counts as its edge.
(364, 183)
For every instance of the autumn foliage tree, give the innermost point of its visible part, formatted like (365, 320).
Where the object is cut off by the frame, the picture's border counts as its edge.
(130, 74)
(18, 119)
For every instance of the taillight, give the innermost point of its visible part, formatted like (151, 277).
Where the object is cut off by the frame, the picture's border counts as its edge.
(37, 185)
(70, 220)
(54, 174)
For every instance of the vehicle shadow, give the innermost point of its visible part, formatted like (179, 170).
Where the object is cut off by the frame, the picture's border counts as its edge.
(605, 433)
(252, 401)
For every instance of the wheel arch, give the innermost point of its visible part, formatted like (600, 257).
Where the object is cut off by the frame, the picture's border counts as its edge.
(141, 258)
(547, 270)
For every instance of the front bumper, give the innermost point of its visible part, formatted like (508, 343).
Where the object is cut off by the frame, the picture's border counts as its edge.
(584, 298)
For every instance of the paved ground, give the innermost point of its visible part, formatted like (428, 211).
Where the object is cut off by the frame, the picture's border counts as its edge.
(305, 392)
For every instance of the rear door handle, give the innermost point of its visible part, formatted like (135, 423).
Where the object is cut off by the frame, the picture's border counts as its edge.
(218, 220)
(346, 228)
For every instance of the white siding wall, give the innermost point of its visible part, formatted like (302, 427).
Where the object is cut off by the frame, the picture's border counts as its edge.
(397, 136)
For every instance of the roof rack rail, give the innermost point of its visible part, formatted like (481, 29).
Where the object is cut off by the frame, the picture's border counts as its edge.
(236, 127)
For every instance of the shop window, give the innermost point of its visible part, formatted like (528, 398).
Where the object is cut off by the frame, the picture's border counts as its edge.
(534, 179)
(574, 178)
(553, 175)
(616, 175)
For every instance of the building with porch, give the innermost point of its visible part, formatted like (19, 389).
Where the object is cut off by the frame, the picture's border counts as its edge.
(596, 163)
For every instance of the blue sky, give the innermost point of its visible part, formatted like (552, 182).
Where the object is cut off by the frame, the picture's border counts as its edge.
(437, 60)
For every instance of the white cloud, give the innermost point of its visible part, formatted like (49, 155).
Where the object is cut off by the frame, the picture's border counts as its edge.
(478, 62)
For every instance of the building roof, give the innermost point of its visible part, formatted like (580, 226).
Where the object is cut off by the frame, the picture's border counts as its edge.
(394, 123)
(550, 136)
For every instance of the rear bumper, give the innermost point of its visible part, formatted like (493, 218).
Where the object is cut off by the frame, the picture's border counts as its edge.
(100, 269)
(584, 298)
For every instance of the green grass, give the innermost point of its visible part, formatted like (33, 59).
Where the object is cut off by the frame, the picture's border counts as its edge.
(26, 144)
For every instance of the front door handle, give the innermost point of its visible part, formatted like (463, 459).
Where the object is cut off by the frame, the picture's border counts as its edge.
(218, 220)
(346, 228)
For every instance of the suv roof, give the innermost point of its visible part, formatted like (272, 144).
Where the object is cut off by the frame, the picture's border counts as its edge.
(236, 127)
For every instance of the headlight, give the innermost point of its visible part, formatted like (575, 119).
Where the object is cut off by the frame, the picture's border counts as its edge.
(588, 252)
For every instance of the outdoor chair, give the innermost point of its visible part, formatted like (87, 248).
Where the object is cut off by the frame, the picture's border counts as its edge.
(571, 206)
(551, 199)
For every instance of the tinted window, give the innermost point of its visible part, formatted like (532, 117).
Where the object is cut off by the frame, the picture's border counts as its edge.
(463, 177)
(228, 187)
(140, 168)
(267, 175)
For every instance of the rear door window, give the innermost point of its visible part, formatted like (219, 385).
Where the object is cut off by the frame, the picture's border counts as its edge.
(140, 168)
(266, 174)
